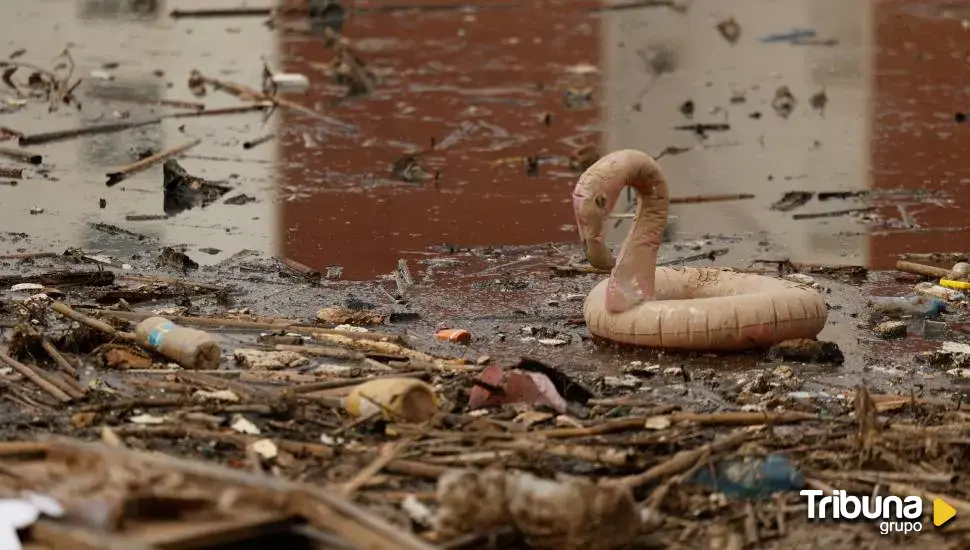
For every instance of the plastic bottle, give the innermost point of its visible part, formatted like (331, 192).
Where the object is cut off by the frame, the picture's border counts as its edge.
(938, 291)
(752, 477)
(191, 348)
(914, 305)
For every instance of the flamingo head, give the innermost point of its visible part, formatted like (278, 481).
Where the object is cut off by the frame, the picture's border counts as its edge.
(591, 209)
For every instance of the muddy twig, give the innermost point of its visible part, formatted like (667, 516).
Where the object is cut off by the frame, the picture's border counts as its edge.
(59, 135)
(711, 256)
(62, 278)
(22, 155)
(221, 111)
(96, 324)
(922, 269)
(122, 173)
(307, 272)
(56, 89)
(198, 81)
(12, 173)
(37, 377)
(833, 214)
(258, 141)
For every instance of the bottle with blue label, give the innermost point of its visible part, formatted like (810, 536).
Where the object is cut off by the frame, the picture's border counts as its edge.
(916, 305)
(190, 348)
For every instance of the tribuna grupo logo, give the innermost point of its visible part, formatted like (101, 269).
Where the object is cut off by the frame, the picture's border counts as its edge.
(895, 514)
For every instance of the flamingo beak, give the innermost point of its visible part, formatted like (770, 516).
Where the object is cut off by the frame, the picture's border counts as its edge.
(589, 222)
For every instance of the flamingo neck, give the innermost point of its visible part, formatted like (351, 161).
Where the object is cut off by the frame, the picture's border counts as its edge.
(632, 280)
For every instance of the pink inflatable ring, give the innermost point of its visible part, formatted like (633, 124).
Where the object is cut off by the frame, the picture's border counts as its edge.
(676, 308)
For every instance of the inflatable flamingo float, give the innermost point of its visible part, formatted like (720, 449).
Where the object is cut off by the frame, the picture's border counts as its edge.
(676, 307)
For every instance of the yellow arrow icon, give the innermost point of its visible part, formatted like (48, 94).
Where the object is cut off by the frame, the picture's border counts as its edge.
(942, 512)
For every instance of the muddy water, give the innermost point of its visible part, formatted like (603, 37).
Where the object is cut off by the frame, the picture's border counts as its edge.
(489, 87)
(892, 85)
(154, 56)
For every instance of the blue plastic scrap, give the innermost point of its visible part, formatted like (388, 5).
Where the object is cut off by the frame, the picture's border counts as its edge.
(789, 36)
(751, 477)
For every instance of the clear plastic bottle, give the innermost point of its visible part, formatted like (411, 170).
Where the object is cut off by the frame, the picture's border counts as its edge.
(908, 306)
(191, 348)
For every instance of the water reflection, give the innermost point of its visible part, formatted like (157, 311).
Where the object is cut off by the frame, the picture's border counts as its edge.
(479, 83)
(507, 96)
(762, 153)
(149, 57)
(917, 144)
(126, 98)
(112, 9)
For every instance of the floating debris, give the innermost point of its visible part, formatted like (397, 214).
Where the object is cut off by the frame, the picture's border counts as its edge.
(730, 30)
(784, 102)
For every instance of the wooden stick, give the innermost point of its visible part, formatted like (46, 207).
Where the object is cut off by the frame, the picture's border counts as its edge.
(258, 141)
(66, 311)
(120, 174)
(29, 255)
(833, 214)
(697, 199)
(302, 270)
(332, 384)
(608, 427)
(58, 358)
(323, 351)
(591, 453)
(21, 154)
(386, 456)
(217, 322)
(221, 111)
(61, 382)
(170, 281)
(341, 515)
(416, 469)
(711, 198)
(222, 12)
(742, 418)
(57, 534)
(176, 103)
(62, 278)
(391, 348)
(921, 269)
(12, 173)
(239, 440)
(58, 135)
(182, 104)
(684, 460)
(245, 92)
(36, 378)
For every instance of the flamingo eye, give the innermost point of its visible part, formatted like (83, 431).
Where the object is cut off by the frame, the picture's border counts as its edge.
(600, 201)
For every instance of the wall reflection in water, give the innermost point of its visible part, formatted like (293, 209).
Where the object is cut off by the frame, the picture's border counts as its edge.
(479, 83)
(120, 9)
(919, 84)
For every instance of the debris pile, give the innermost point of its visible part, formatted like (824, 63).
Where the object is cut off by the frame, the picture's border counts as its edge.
(417, 445)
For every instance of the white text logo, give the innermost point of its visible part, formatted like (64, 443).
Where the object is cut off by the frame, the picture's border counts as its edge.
(899, 515)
